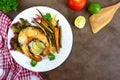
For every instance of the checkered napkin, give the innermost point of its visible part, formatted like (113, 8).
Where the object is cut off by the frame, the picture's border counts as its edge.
(10, 69)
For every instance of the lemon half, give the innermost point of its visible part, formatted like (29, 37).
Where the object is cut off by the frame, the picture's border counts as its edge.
(80, 22)
(36, 47)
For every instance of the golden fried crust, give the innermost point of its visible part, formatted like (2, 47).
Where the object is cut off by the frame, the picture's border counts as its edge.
(28, 34)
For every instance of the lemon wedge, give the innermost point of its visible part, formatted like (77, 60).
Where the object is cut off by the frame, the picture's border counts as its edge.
(36, 47)
(80, 22)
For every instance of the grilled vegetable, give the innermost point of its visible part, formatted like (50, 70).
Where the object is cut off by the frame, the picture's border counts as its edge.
(60, 36)
(56, 34)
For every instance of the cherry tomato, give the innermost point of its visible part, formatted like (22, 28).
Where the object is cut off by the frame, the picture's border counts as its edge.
(76, 4)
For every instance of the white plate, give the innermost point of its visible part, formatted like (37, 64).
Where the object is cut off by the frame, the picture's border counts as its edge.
(67, 40)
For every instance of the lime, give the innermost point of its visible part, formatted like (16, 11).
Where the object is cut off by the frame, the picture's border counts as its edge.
(80, 22)
(94, 7)
(34, 51)
(40, 44)
(36, 47)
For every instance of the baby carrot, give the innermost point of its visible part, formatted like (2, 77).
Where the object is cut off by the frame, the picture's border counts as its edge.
(56, 34)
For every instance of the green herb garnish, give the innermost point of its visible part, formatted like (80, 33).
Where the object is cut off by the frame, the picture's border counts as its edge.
(8, 5)
(51, 56)
(33, 63)
(47, 17)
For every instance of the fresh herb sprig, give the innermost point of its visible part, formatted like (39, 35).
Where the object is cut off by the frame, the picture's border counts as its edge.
(8, 5)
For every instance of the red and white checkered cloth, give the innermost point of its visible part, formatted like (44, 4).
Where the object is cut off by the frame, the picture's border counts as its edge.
(10, 69)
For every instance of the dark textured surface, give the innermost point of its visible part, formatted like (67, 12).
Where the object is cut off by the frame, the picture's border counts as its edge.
(93, 56)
